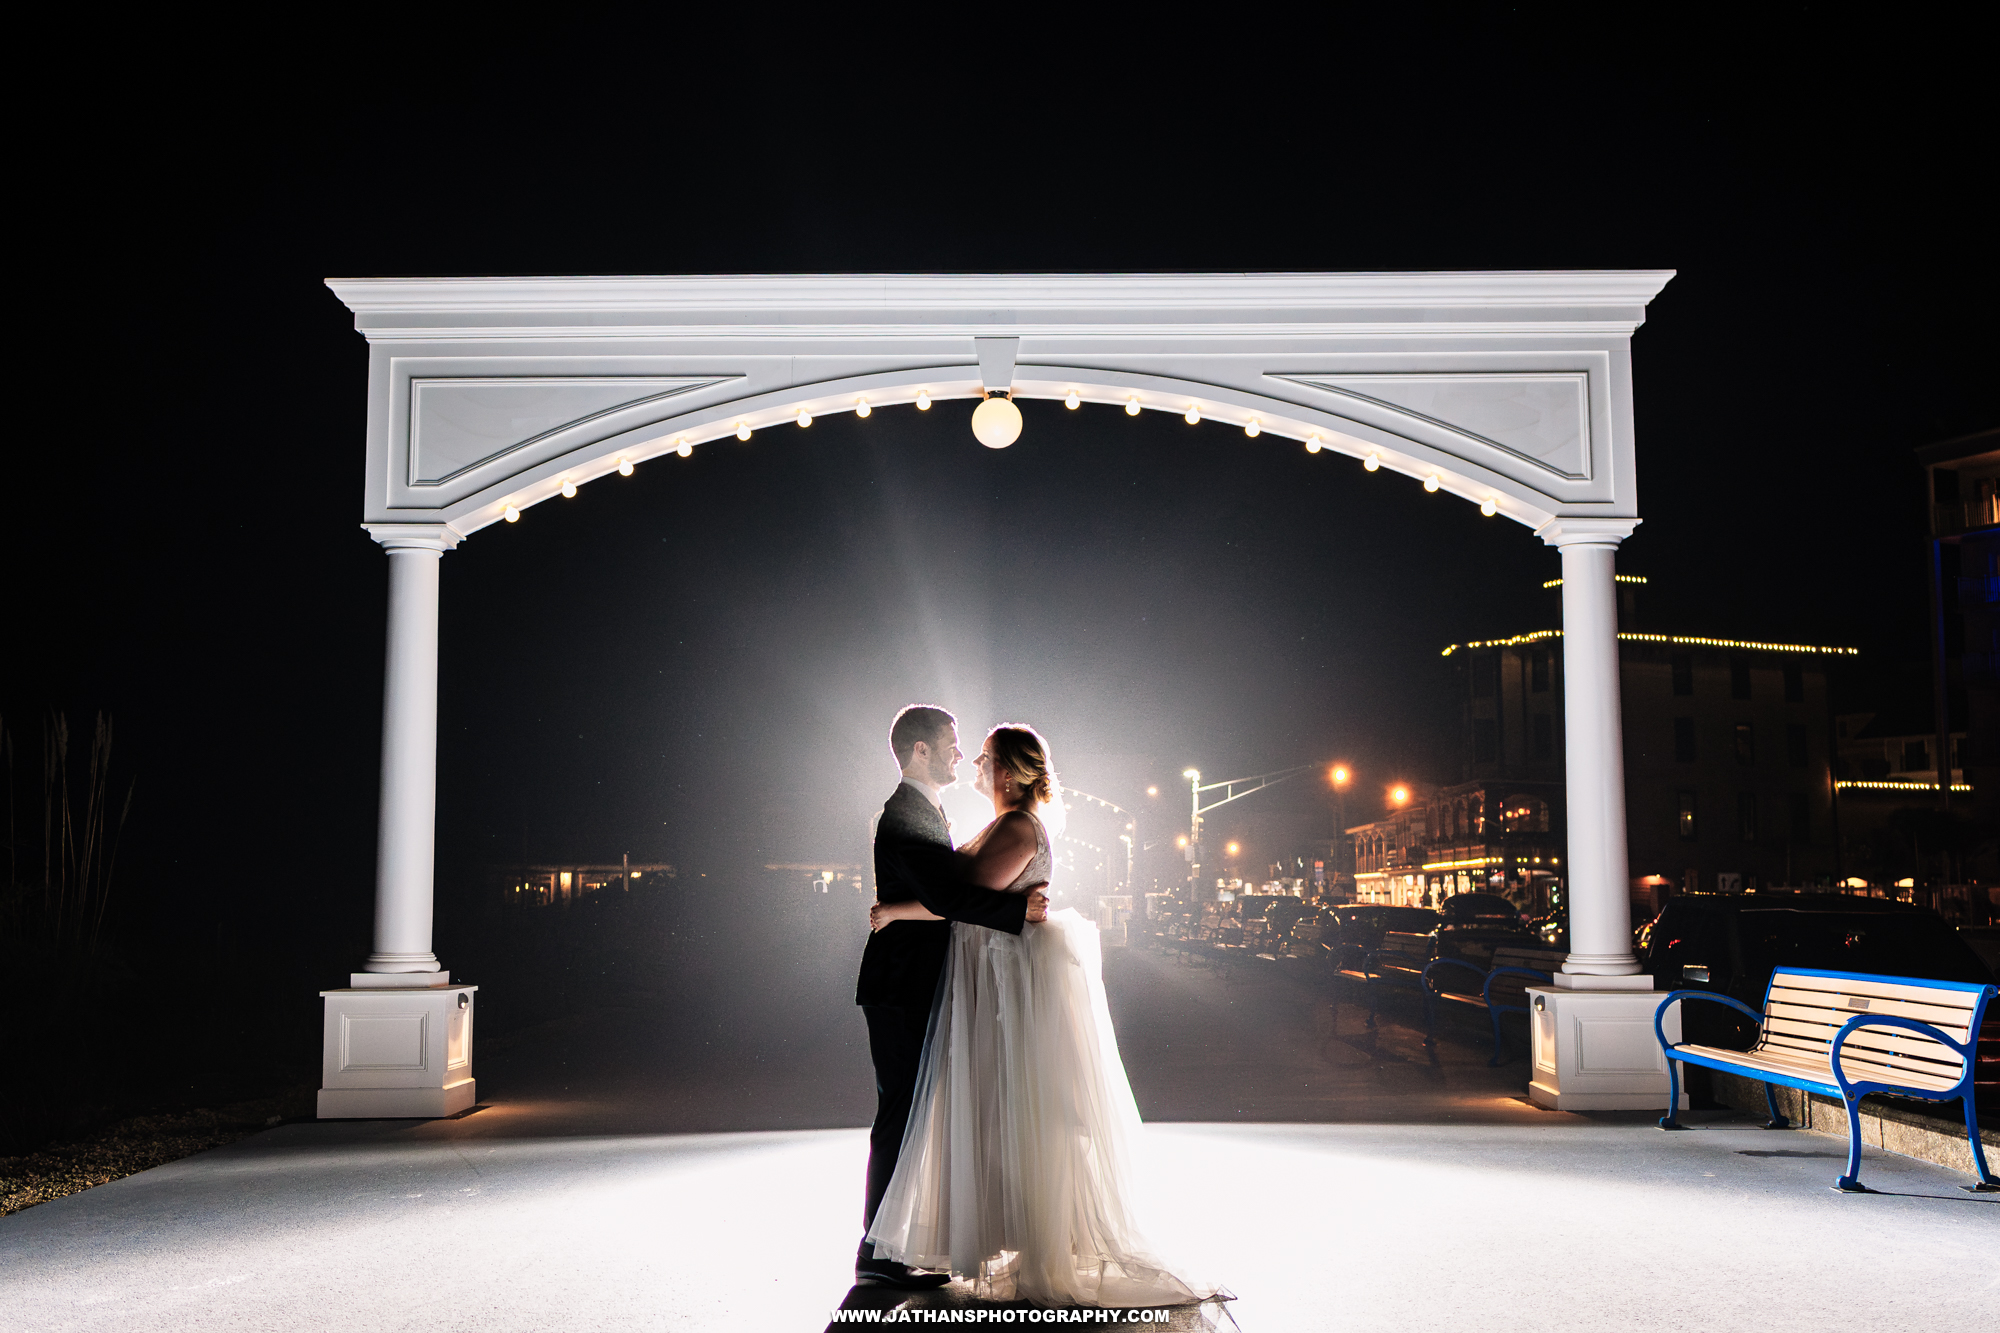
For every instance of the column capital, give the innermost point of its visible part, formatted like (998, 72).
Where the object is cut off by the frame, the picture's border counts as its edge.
(1560, 531)
(439, 537)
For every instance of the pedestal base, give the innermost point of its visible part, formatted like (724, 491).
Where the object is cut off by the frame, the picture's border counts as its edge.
(1594, 1050)
(392, 1054)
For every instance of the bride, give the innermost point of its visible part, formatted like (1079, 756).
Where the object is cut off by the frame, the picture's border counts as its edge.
(1016, 1169)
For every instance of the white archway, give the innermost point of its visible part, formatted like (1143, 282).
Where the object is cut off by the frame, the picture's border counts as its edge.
(488, 396)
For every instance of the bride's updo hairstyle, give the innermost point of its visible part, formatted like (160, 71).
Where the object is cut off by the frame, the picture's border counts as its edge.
(1020, 750)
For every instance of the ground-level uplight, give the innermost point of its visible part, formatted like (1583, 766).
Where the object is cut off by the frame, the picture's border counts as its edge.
(624, 467)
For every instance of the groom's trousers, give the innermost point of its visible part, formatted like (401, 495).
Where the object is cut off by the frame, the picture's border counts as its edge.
(896, 1044)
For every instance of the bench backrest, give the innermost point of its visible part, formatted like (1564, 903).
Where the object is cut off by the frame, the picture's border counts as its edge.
(1540, 959)
(1804, 1009)
(1404, 949)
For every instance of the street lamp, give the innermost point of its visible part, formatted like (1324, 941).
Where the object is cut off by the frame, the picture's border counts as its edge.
(1399, 794)
(1340, 775)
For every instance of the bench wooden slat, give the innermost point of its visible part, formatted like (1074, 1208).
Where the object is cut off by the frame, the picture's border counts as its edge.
(1816, 1069)
(1944, 1016)
(1956, 999)
(1820, 1037)
(1954, 1023)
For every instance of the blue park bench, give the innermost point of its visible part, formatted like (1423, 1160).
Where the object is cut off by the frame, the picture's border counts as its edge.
(1503, 987)
(1845, 1035)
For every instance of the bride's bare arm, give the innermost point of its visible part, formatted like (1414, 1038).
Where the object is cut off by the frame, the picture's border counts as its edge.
(881, 914)
(1003, 852)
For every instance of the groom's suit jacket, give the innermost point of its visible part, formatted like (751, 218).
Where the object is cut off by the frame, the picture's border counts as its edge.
(914, 859)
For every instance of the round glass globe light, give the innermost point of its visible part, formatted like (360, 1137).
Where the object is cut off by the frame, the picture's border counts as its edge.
(996, 423)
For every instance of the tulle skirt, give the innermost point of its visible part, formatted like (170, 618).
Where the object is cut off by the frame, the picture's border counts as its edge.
(1017, 1163)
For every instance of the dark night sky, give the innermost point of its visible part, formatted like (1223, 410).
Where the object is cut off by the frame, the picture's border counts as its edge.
(697, 663)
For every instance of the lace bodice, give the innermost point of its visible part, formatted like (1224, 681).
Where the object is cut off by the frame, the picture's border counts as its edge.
(1040, 865)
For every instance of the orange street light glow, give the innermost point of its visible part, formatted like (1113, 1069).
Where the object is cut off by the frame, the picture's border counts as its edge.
(1232, 849)
(1152, 791)
(1340, 775)
(1399, 794)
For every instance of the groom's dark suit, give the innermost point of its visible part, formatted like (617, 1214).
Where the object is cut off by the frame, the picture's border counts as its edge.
(903, 961)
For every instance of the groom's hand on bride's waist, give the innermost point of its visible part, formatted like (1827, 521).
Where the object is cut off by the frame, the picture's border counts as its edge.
(1038, 903)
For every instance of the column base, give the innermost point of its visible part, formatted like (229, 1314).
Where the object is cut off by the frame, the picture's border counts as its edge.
(396, 1053)
(397, 1103)
(1626, 981)
(396, 980)
(1594, 1050)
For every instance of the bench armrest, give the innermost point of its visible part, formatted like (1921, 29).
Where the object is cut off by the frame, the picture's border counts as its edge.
(1855, 1091)
(1660, 1014)
(1450, 962)
(1499, 972)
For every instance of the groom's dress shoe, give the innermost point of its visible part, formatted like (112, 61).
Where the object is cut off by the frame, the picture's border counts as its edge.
(890, 1273)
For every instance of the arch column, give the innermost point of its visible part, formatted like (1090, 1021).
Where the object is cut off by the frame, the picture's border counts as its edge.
(397, 1039)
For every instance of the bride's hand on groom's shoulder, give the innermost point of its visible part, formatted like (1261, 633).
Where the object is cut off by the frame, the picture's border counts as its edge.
(1038, 903)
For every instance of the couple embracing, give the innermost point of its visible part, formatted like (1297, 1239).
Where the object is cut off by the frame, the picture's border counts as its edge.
(1002, 1150)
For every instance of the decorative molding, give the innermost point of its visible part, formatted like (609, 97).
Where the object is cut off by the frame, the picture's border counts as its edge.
(1539, 417)
(458, 425)
(439, 537)
(1565, 530)
(384, 1041)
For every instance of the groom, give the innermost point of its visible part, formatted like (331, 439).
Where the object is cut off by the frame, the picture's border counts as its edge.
(903, 961)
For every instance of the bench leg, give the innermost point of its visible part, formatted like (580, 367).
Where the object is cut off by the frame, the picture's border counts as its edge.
(1671, 1120)
(1499, 1050)
(1430, 1020)
(1851, 1182)
(1373, 999)
(1777, 1120)
(1987, 1182)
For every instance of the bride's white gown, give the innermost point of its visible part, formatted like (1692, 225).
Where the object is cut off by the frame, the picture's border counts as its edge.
(1016, 1169)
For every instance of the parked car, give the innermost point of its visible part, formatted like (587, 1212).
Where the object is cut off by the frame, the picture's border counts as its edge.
(1358, 928)
(1470, 927)
(1730, 943)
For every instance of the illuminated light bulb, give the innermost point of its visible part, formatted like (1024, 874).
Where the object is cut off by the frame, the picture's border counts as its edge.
(624, 467)
(568, 489)
(1372, 463)
(742, 430)
(1313, 445)
(1193, 415)
(1430, 483)
(1131, 407)
(861, 408)
(996, 423)
(923, 400)
(1072, 402)
(683, 448)
(1253, 430)
(511, 514)
(1489, 506)
(805, 417)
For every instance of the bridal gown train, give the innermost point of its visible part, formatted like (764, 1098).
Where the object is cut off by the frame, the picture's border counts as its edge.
(1016, 1168)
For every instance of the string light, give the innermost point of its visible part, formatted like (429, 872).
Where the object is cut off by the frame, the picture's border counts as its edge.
(805, 417)
(1193, 415)
(1431, 482)
(923, 400)
(1489, 506)
(742, 430)
(1689, 640)
(511, 514)
(1253, 430)
(1132, 407)
(1313, 445)
(861, 408)
(683, 448)
(1072, 402)
(624, 467)
(1372, 463)
(568, 489)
